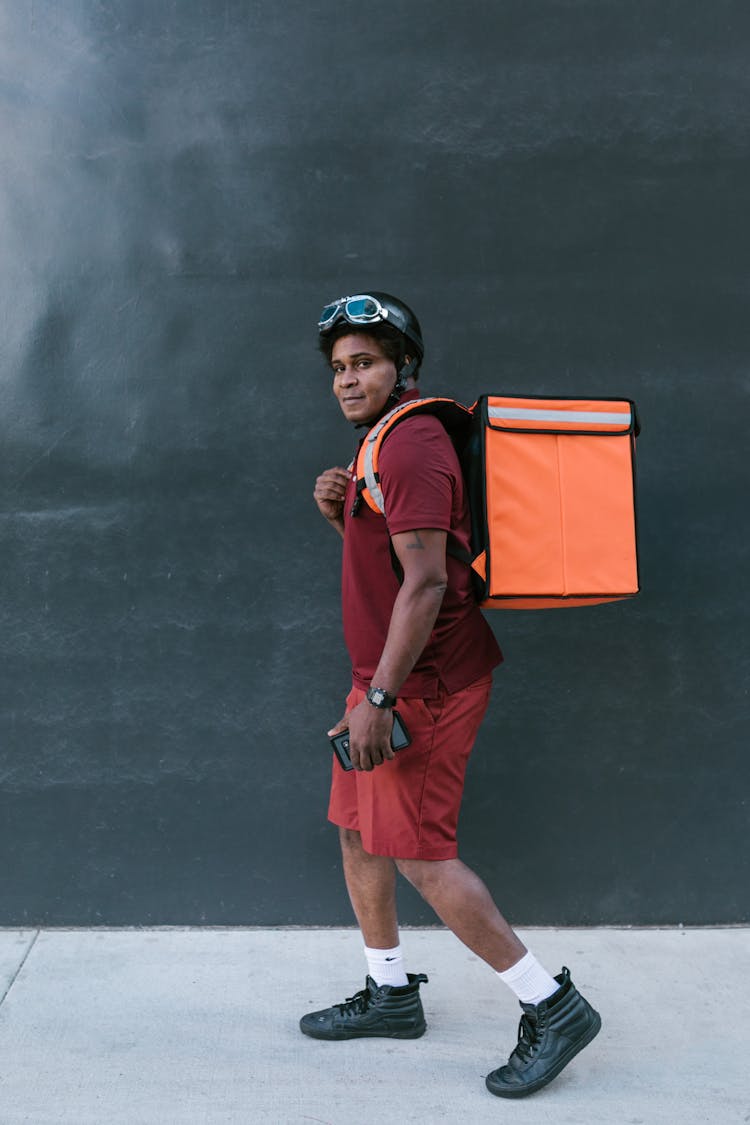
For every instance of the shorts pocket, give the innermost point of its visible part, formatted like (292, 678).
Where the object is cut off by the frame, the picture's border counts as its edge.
(434, 708)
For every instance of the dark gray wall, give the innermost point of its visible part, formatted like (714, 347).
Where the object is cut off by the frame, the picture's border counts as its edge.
(560, 188)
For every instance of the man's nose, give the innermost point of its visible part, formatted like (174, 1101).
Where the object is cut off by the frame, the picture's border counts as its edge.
(348, 376)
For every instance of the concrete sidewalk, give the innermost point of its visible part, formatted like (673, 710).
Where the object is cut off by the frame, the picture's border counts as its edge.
(199, 1026)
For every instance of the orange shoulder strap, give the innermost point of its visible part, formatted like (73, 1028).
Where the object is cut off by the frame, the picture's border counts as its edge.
(450, 412)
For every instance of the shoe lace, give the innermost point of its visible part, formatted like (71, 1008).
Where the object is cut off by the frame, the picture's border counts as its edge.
(529, 1035)
(355, 1005)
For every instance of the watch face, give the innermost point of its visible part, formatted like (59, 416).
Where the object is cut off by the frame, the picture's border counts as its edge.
(379, 697)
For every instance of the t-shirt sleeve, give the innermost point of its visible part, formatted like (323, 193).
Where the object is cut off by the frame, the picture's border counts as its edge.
(418, 472)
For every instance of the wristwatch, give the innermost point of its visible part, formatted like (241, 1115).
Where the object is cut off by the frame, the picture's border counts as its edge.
(379, 697)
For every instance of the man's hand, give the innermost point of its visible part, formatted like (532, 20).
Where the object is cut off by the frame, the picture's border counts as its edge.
(369, 735)
(329, 495)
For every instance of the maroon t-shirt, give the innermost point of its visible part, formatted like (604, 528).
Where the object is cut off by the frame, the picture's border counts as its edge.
(422, 487)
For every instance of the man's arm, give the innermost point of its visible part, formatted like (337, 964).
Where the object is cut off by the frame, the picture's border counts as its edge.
(422, 557)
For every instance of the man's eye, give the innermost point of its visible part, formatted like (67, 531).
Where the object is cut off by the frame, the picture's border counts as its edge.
(363, 363)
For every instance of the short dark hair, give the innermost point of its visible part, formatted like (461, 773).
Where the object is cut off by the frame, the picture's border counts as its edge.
(394, 344)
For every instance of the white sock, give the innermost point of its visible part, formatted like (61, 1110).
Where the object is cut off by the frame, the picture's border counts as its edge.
(529, 980)
(386, 966)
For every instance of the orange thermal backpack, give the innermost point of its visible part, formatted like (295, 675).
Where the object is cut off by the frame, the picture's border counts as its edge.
(551, 486)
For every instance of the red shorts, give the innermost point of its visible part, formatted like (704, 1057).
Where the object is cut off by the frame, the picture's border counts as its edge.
(408, 807)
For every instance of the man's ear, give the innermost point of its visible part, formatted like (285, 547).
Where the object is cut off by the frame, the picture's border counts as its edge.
(408, 367)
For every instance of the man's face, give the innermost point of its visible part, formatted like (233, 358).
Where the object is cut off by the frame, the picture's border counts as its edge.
(363, 377)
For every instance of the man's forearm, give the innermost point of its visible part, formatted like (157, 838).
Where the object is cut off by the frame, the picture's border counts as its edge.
(412, 620)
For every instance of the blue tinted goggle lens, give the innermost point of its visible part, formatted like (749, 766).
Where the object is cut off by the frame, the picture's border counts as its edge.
(328, 313)
(361, 309)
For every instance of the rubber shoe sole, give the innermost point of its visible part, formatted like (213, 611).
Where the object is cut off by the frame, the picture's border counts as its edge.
(339, 1035)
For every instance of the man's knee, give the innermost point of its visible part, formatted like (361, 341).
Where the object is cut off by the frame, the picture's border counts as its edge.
(421, 873)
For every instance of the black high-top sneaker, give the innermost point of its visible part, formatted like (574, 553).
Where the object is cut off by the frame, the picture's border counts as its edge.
(549, 1036)
(382, 1010)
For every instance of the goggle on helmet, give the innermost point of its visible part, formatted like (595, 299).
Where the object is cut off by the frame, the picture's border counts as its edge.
(375, 308)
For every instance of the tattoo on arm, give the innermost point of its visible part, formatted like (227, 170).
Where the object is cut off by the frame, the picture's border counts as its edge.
(416, 544)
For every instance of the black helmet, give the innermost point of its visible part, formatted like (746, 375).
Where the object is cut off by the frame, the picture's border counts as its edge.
(376, 308)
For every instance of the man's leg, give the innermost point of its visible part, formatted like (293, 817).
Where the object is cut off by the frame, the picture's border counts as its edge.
(389, 1005)
(557, 1024)
(461, 900)
(371, 883)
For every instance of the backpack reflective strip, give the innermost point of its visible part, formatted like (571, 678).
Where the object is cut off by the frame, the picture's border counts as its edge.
(517, 414)
(373, 488)
(368, 459)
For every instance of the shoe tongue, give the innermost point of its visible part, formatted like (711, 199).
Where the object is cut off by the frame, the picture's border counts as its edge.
(371, 986)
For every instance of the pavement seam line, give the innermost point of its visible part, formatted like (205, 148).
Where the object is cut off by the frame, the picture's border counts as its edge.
(14, 978)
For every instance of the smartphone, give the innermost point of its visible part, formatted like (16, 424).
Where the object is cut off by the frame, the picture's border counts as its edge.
(399, 739)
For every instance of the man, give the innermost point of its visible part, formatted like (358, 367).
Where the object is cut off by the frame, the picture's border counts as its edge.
(416, 636)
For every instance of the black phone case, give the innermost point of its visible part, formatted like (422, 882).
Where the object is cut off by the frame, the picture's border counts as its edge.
(399, 739)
